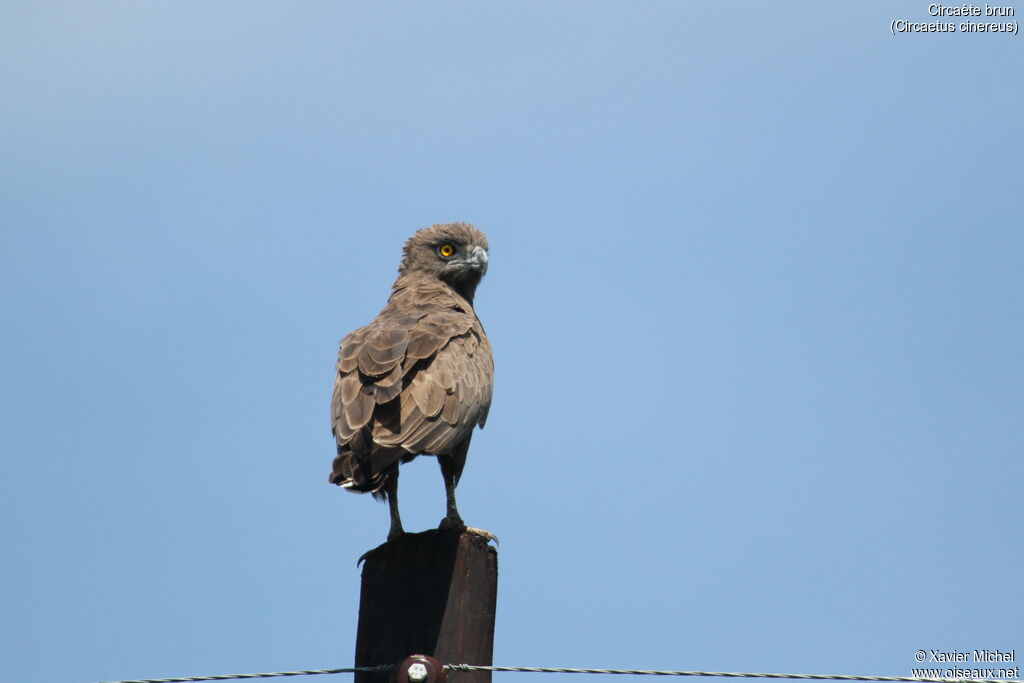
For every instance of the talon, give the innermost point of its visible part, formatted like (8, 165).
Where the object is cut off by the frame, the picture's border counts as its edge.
(483, 532)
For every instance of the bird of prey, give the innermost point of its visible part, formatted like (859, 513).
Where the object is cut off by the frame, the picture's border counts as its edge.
(418, 378)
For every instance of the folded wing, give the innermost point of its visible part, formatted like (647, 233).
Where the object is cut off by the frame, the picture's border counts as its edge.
(407, 384)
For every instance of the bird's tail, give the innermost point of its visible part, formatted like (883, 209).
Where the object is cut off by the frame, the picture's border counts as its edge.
(361, 468)
(348, 474)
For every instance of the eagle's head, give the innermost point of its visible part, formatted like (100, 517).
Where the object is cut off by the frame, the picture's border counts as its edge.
(455, 253)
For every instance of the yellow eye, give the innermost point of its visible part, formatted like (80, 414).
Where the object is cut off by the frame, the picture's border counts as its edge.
(446, 250)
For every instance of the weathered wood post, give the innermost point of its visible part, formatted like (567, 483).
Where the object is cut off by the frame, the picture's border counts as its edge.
(432, 593)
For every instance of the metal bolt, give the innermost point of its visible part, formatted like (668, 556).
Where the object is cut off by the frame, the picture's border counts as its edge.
(418, 673)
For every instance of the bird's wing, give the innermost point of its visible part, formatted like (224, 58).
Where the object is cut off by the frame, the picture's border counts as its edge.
(437, 363)
(446, 396)
(369, 372)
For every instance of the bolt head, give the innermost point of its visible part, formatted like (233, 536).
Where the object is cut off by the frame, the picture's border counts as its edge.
(418, 673)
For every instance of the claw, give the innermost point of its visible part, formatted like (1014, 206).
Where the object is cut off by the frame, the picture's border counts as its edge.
(393, 536)
(484, 533)
(449, 524)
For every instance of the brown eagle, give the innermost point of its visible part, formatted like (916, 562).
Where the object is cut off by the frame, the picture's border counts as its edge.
(417, 379)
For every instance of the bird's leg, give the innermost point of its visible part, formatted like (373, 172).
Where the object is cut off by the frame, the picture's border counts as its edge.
(452, 520)
(391, 489)
(450, 471)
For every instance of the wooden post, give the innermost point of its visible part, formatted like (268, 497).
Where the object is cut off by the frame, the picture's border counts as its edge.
(431, 593)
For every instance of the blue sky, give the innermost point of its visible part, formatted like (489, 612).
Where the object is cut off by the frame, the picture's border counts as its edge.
(754, 298)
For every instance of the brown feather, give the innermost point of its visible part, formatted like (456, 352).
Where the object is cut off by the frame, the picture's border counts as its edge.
(390, 386)
(359, 410)
(427, 393)
(450, 410)
(422, 344)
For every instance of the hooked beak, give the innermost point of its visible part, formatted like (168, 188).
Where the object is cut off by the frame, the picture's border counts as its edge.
(477, 259)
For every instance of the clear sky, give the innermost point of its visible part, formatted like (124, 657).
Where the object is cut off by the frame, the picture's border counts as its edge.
(755, 298)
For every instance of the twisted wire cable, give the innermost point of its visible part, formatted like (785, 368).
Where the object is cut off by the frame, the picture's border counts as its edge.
(231, 677)
(723, 674)
(565, 670)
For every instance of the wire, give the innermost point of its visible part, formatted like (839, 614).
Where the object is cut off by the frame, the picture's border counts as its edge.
(554, 670)
(231, 677)
(723, 674)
